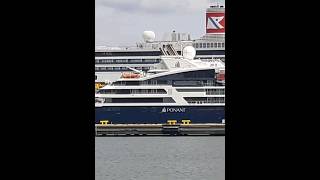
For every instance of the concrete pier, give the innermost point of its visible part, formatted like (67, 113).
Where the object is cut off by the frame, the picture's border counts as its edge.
(159, 129)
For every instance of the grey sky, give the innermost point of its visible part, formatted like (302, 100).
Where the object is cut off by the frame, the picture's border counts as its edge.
(121, 22)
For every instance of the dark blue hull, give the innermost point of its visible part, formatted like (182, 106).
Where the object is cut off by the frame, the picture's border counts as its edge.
(159, 114)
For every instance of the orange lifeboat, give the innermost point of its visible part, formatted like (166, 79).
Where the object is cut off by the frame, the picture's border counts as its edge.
(129, 75)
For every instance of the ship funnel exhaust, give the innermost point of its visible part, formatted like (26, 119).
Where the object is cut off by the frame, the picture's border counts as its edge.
(215, 23)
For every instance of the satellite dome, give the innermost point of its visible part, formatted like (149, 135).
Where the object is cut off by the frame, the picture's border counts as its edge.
(189, 52)
(148, 36)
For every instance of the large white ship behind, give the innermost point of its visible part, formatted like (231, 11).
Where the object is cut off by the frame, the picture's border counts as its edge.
(111, 61)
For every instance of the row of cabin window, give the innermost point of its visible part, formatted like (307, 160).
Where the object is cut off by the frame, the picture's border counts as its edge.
(208, 45)
(119, 68)
(132, 91)
(207, 100)
(215, 91)
(101, 61)
(208, 91)
(144, 53)
(165, 82)
(136, 100)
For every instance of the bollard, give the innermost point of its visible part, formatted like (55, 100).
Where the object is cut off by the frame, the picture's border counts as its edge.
(172, 122)
(187, 121)
(104, 122)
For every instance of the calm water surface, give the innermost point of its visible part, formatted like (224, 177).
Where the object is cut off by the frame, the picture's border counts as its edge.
(160, 158)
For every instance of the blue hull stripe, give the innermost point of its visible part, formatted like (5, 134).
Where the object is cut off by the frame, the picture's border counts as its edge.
(141, 115)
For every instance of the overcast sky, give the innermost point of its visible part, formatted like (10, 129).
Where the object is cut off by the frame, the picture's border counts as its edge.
(122, 22)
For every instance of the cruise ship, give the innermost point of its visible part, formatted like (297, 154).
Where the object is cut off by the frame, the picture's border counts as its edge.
(111, 61)
(179, 87)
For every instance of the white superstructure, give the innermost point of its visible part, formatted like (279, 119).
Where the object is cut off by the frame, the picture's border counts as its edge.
(175, 81)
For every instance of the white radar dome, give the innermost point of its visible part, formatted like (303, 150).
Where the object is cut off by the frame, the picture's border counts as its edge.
(148, 36)
(189, 52)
